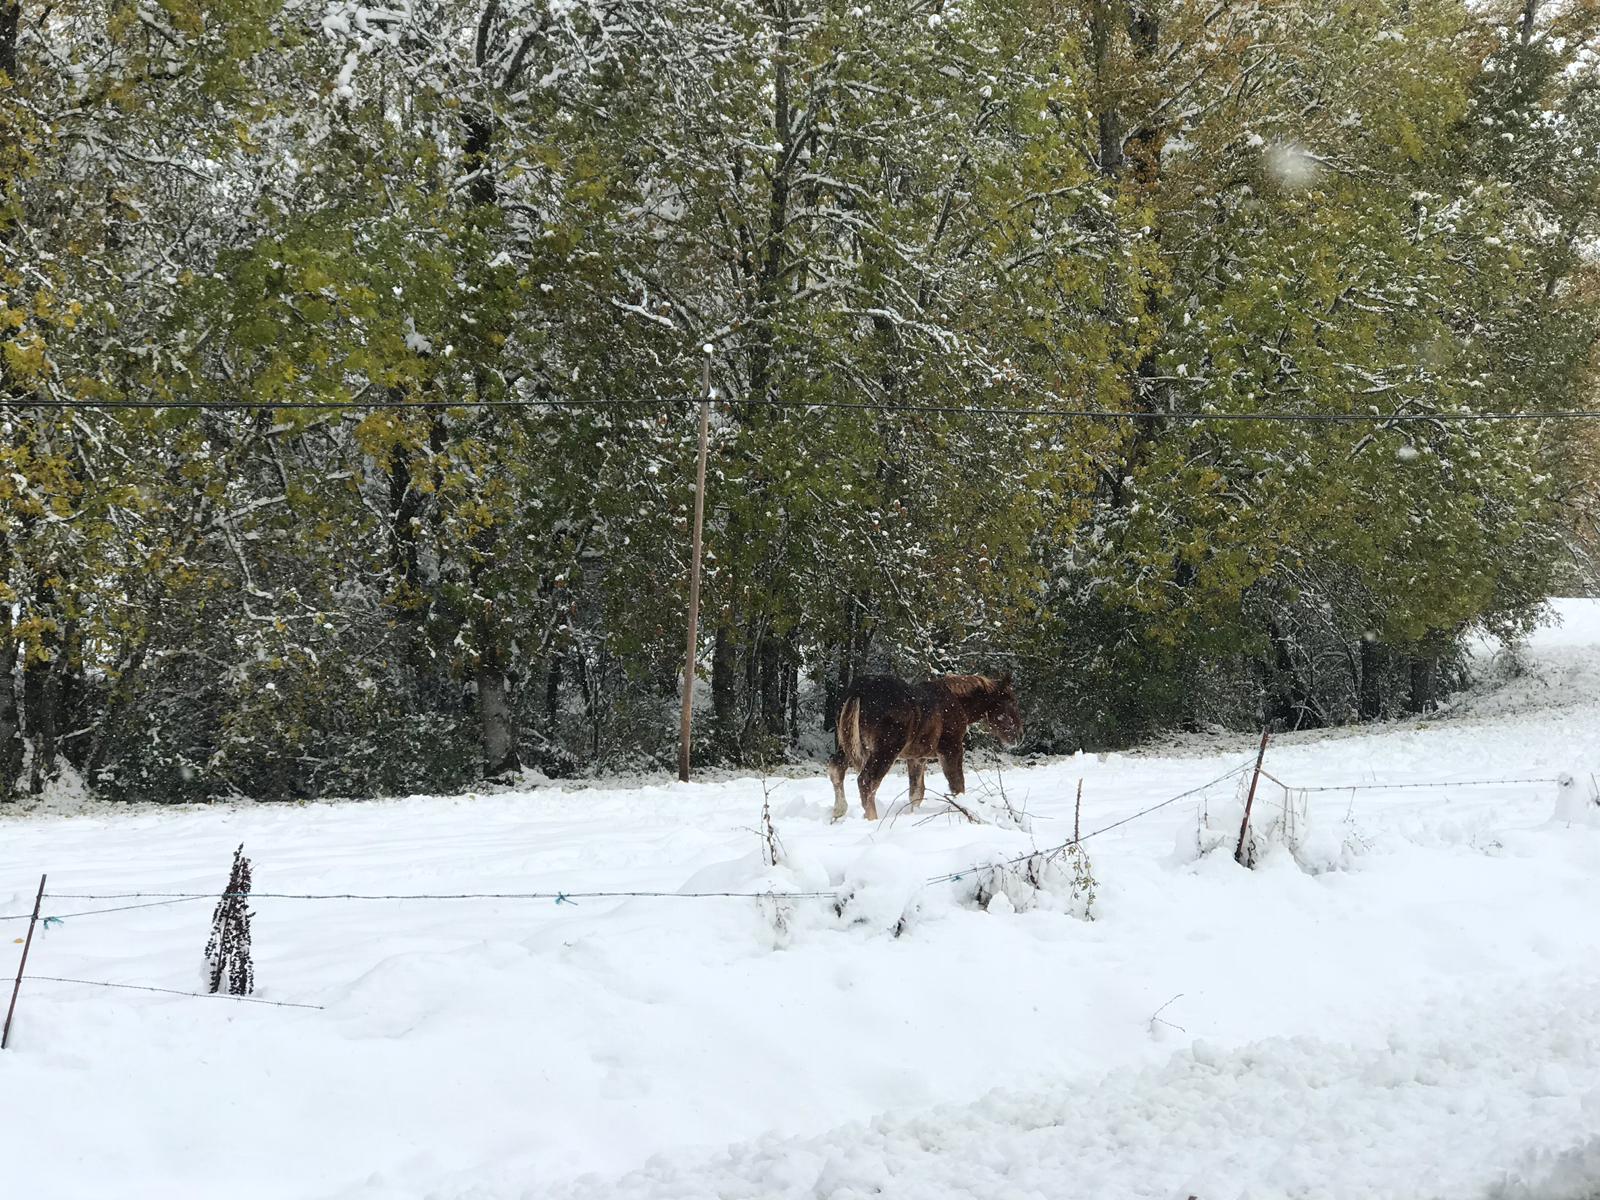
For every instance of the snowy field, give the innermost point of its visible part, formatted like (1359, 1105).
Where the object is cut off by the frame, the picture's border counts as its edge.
(1402, 1000)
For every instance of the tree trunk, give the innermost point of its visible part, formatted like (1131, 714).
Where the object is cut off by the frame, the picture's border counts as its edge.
(491, 670)
(69, 680)
(1141, 150)
(1120, 146)
(10, 727)
(413, 594)
(774, 254)
(1421, 697)
(595, 703)
(41, 692)
(10, 18)
(772, 671)
(478, 140)
(1525, 24)
(1292, 705)
(724, 687)
(1370, 685)
(1104, 17)
(552, 695)
(495, 718)
(794, 702)
(591, 679)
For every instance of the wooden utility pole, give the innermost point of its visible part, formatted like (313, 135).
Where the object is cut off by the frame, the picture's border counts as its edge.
(1244, 826)
(694, 576)
(5, 1035)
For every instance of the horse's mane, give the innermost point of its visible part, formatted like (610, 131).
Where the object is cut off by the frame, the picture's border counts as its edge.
(968, 685)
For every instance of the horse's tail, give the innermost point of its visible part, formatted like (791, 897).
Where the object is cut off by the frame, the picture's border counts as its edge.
(848, 730)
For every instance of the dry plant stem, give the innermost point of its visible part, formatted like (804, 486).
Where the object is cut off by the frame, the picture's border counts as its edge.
(772, 848)
(962, 809)
(1156, 1016)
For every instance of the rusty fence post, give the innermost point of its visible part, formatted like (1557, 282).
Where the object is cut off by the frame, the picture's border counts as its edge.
(1244, 826)
(5, 1035)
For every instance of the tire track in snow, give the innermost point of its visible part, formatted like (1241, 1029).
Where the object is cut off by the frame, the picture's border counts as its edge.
(1488, 1097)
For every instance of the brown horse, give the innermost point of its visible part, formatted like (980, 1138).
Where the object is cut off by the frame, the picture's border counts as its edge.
(883, 719)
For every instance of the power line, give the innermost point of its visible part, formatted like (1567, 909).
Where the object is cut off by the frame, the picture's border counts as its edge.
(1098, 414)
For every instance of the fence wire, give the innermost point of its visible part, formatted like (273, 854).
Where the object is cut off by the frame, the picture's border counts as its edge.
(144, 987)
(162, 899)
(1389, 787)
(558, 897)
(147, 900)
(951, 876)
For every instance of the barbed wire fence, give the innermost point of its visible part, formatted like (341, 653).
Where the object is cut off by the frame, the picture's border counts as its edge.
(40, 918)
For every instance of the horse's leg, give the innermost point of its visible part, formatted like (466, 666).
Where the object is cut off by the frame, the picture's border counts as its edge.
(872, 773)
(950, 764)
(836, 770)
(917, 769)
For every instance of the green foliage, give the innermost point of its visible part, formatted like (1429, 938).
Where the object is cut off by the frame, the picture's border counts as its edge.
(929, 215)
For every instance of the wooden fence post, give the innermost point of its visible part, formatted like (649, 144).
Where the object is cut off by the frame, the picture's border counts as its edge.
(5, 1035)
(1244, 826)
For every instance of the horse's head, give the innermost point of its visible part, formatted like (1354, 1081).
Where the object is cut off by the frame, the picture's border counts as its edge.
(1005, 715)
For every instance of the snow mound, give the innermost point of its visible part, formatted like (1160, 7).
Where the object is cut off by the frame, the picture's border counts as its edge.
(1425, 1115)
(1059, 879)
(1282, 818)
(1571, 1174)
(883, 890)
(1577, 802)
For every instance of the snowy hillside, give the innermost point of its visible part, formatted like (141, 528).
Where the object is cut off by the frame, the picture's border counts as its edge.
(1405, 1002)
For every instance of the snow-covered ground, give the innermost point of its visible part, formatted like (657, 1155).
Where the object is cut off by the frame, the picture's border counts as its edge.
(1406, 1005)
